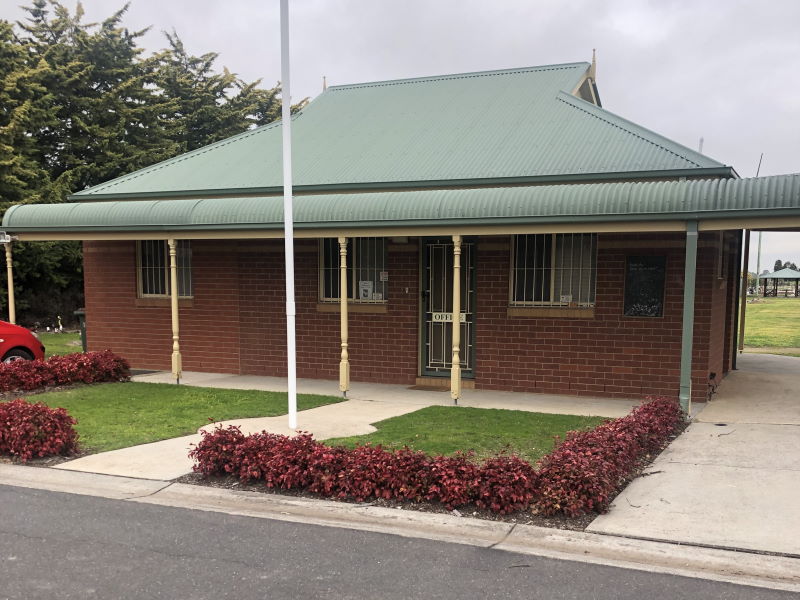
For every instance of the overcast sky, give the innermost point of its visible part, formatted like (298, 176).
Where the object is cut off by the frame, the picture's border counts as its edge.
(723, 70)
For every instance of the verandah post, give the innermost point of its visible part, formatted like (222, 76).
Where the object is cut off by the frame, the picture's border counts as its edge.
(173, 296)
(12, 310)
(344, 364)
(687, 336)
(455, 369)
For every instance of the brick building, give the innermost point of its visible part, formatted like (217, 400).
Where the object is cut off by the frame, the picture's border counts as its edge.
(594, 257)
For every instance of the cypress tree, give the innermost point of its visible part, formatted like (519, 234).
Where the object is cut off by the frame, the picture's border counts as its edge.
(80, 104)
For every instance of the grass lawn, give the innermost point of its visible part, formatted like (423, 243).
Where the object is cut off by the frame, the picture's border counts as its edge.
(447, 429)
(774, 323)
(118, 415)
(61, 343)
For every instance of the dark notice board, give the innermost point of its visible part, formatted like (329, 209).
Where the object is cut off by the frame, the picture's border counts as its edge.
(644, 286)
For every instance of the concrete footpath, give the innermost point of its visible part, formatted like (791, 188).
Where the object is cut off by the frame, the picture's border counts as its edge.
(732, 480)
(367, 404)
(720, 565)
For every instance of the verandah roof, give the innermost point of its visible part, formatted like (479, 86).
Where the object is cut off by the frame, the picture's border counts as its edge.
(776, 197)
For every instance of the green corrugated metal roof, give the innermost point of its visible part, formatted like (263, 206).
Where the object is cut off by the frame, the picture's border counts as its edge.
(782, 274)
(494, 125)
(598, 202)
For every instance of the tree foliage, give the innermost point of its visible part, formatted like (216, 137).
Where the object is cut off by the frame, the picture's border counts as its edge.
(80, 104)
(207, 106)
(779, 264)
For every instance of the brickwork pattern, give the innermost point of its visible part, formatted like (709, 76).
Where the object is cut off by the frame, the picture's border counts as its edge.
(143, 334)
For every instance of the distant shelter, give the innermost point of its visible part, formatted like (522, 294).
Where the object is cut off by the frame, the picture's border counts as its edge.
(773, 281)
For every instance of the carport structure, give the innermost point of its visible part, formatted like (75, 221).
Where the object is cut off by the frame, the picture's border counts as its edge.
(499, 230)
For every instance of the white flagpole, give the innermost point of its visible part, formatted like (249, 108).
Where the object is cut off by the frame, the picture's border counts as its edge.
(288, 217)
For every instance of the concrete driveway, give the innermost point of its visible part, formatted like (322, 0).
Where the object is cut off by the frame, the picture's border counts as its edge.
(733, 478)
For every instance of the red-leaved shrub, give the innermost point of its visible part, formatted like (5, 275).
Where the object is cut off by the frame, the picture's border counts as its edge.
(217, 453)
(364, 472)
(89, 367)
(30, 430)
(580, 475)
(507, 484)
(585, 471)
(454, 480)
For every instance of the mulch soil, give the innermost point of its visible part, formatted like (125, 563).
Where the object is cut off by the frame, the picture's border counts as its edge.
(525, 518)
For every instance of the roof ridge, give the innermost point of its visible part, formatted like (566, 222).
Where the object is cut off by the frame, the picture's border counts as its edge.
(588, 108)
(446, 76)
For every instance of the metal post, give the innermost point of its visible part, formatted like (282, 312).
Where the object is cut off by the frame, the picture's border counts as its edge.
(288, 216)
(689, 279)
(12, 309)
(745, 279)
(455, 369)
(344, 364)
(173, 296)
(758, 259)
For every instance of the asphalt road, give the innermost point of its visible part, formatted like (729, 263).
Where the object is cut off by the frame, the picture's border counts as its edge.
(55, 545)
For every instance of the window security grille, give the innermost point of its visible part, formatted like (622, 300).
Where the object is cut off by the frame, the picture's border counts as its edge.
(153, 268)
(367, 278)
(553, 269)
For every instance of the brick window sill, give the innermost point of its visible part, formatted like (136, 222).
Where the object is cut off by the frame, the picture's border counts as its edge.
(354, 307)
(159, 302)
(550, 312)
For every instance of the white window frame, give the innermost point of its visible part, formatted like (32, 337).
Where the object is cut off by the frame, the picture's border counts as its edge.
(354, 246)
(553, 268)
(184, 259)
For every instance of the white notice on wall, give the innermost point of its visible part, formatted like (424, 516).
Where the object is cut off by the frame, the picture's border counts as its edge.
(365, 290)
(384, 275)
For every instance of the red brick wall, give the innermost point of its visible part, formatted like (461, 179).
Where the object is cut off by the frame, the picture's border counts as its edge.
(382, 347)
(236, 321)
(722, 306)
(608, 355)
(117, 320)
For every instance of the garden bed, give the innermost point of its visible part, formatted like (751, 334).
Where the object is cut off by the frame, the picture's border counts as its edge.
(581, 476)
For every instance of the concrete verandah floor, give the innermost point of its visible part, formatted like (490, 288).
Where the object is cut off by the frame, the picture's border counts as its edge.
(732, 479)
(366, 404)
(404, 395)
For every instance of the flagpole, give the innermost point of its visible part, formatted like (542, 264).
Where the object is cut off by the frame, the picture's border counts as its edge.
(288, 216)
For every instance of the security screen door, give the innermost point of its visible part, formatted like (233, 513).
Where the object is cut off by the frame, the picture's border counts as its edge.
(437, 311)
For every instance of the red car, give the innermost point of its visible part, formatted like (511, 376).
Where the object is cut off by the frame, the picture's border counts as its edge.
(18, 343)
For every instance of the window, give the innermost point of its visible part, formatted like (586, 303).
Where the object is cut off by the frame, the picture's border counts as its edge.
(553, 269)
(152, 259)
(367, 278)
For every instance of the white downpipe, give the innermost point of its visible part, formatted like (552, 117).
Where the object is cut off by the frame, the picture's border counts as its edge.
(288, 216)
